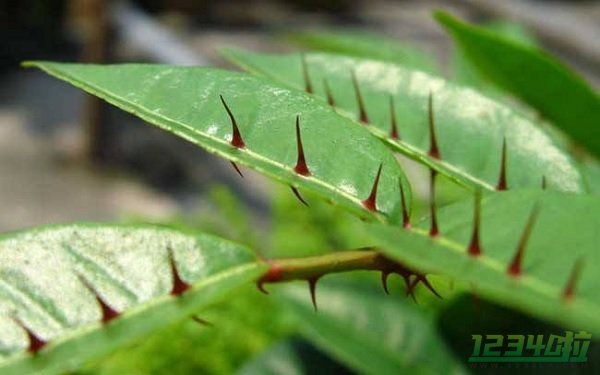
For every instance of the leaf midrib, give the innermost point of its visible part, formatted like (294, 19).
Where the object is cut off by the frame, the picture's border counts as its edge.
(457, 174)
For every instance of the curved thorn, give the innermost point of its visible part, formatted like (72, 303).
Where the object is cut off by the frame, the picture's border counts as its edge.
(433, 230)
(384, 277)
(434, 151)
(502, 184)
(394, 129)
(312, 285)
(428, 285)
(301, 167)
(475, 245)
(362, 113)
(405, 212)
(236, 138)
(179, 285)
(410, 290)
(328, 94)
(305, 75)
(514, 268)
(297, 194)
(569, 291)
(260, 285)
(237, 169)
(108, 313)
(201, 321)
(371, 202)
(36, 343)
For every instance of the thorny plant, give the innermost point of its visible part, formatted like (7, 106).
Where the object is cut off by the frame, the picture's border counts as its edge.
(324, 141)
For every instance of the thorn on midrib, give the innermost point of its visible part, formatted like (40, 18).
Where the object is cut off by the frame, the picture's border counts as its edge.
(514, 268)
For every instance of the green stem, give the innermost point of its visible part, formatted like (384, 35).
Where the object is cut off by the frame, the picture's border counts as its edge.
(306, 268)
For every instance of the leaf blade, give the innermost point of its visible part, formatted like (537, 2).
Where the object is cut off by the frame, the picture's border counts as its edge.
(537, 78)
(565, 231)
(343, 159)
(470, 127)
(369, 331)
(38, 266)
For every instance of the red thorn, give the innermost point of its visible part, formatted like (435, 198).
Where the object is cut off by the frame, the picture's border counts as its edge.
(394, 130)
(179, 286)
(297, 194)
(330, 99)
(273, 274)
(434, 151)
(201, 321)
(307, 84)
(108, 313)
(384, 277)
(362, 113)
(475, 245)
(544, 183)
(371, 202)
(236, 139)
(36, 343)
(237, 169)
(301, 167)
(502, 185)
(514, 269)
(405, 214)
(433, 231)
(312, 285)
(569, 291)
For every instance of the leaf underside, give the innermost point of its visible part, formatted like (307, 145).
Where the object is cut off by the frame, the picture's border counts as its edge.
(539, 79)
(51, 279)
(470, 128)
(342, 157)
(566, 232)
(369, 331)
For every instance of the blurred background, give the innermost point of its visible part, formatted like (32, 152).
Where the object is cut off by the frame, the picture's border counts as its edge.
(65, 156)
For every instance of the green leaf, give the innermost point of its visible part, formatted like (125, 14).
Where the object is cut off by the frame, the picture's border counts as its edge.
(49, 278)
(566, 232)
(365, 44)
(342, 157)
(369, 331)
(470, 127)
(463, 70)
(291, 357)
(537, 78)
